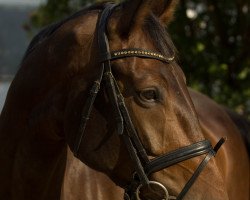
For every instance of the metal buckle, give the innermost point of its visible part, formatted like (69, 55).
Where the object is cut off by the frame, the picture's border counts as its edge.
(166, 196)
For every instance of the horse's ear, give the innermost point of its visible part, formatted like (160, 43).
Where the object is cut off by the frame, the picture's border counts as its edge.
(164, 9)
(132, 13)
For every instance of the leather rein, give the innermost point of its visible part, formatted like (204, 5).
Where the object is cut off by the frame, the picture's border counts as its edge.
(143, 166)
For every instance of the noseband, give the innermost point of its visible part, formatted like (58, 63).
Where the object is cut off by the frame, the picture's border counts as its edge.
(143, 166)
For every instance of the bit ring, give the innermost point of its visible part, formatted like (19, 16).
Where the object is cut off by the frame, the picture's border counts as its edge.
(166, 196)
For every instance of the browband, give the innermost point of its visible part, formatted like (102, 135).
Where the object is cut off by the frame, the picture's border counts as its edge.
(136, 52)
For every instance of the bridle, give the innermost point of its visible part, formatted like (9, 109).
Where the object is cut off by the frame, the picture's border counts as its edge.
(143, 166)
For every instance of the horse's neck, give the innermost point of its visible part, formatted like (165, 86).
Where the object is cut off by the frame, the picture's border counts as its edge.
(38, 169)
(32, 156)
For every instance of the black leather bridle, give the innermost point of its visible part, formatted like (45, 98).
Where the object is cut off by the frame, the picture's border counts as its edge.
(143, 166)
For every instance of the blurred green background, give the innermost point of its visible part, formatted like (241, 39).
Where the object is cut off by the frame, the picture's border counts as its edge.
(213, 39)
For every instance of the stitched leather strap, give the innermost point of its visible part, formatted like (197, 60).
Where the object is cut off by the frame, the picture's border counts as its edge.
(177, 156)
(87, 108)
(135, 52)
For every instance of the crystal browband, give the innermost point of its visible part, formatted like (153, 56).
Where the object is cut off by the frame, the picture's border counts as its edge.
(139, 53)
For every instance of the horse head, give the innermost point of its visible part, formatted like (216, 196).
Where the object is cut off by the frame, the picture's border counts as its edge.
(143, 110)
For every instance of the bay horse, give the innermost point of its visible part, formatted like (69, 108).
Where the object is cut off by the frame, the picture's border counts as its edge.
(106, 83)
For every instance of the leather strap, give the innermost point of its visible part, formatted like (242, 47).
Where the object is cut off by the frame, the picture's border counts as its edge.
(177, 156)
(101, 32)
(85, 113)
(87, 108)
(113, 93)
(135, 52)
(200, 168)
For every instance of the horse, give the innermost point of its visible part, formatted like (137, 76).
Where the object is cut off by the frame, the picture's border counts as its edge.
(106, 83)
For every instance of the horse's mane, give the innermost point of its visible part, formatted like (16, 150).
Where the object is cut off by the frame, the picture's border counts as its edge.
(50, 29)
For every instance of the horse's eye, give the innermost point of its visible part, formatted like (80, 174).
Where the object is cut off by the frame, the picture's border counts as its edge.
(149, 95)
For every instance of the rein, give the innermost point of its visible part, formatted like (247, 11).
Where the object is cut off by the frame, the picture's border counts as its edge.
(143, 166)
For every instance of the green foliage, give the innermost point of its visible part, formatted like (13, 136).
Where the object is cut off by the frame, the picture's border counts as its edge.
(50, 12)
(213, 40)
(212, 37)
(54, 10)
